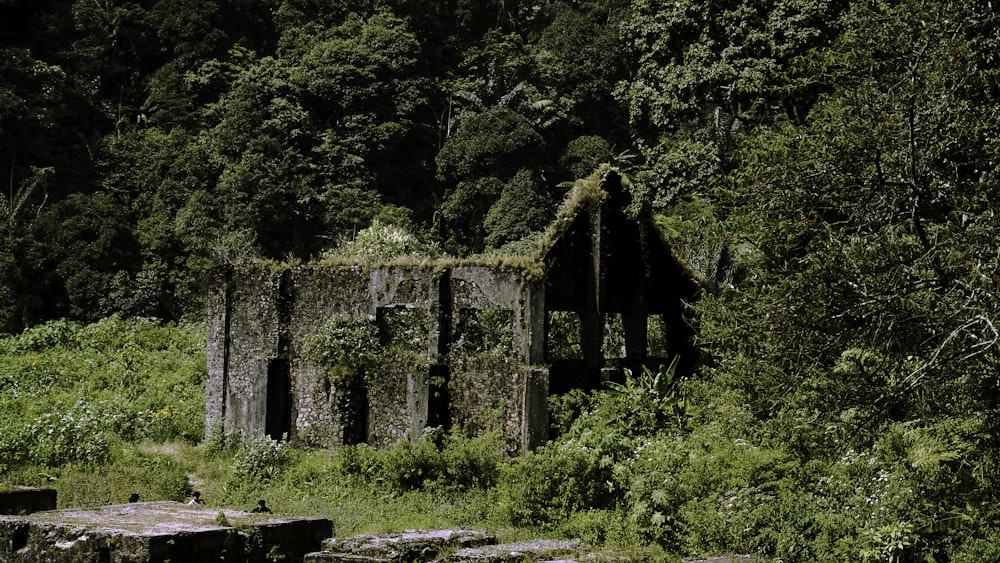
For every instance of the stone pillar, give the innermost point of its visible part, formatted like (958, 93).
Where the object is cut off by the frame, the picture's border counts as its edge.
(535, 421)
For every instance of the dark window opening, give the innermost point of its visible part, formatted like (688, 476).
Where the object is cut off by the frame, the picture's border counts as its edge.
(19, 540)
(438, 413)
(278, 413)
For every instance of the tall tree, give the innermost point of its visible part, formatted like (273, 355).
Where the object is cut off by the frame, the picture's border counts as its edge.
(876, 282)
(310, 146)
(704, 71)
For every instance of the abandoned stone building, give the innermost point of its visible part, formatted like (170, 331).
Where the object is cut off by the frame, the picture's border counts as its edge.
(331, 354)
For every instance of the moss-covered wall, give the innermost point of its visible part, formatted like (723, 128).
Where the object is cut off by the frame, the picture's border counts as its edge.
(397, 398)
(505, 289)
(407, 302)
(332, 354)
(349, 352)
(218, 320)
(325, 401)
(497, 332)
(239, 357)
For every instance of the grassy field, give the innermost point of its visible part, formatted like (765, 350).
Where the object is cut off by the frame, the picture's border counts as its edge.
(101, 411)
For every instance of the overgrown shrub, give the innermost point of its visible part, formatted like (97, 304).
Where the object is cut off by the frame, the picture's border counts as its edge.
(258, 461)
(565, 409)
(71, 391)
(984, 545)
(438, 461)
(80, 435)
(471, 463)
(610, 527)
(357, 460)
(546, 487)
(344, 346)
(408, 466)
(152, 475)
(382, 242)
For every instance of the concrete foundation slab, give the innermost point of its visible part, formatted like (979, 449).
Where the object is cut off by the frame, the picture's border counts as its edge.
(157, 532)
(411, 545)
(537, 550)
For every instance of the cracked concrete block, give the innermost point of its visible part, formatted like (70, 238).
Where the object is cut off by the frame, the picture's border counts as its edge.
(536, 550)
(411, 545)
(156, 532)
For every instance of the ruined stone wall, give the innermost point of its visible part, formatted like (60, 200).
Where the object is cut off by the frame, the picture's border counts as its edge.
(408, 310)
(218, 320)
(497, 333)
(339, 354)
(238, 359)
(355, 350)
(325, 404)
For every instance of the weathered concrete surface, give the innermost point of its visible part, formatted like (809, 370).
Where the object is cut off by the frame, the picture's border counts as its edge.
(408, 546)
(726, 559)
(477, 546)
(154, 532)
(535, 550)
(25, 500)
(462, 546)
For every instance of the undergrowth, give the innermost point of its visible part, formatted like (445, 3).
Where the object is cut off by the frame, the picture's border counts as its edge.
(102, 411)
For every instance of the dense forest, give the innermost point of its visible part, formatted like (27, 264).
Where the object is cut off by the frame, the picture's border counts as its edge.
(829, 167)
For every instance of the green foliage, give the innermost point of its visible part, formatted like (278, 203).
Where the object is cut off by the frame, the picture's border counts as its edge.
(546, 487)
(835, 260)
(337, 112)
(344, 345)
(76, 436)
(408, 466)
(583, 155)
(563, 339)
(497, 65)
(225, 131)
(599, 527)
(381, 243)
(444, 462)
(153, 475)
(565, 409)
(578, 61)
(77, 246)
(887, 543)
(656, 393)
(495, 143)
(404, 329)
(463, 211)
(983, 547)
(487, 333)
(471, 463)
(522, 209)
(256, 462)
(829, 168)
(139, 379)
